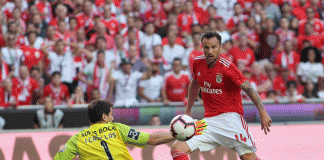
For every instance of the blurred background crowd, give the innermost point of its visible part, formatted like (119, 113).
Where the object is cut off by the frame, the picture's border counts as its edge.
(141, 51)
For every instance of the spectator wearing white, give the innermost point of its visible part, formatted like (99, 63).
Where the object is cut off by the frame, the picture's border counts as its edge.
(48, 117)
(11, 54)
(172, 50)
(150, 90)
(61, 61)
(310, 67)
(225, 8)
(97, 74)
(111, 59)
(126, 83)
(221, 30)
(120, 49)
(32, 40)
(150, 39)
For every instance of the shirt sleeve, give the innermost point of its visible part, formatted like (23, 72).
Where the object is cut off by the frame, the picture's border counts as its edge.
(132, 136)
(69, 151)
(142, 83)
(234, 75)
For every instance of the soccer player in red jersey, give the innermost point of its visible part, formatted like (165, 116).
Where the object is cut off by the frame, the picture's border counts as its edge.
(220, 83)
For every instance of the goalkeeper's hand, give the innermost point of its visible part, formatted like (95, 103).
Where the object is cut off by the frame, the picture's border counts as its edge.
(201, 125)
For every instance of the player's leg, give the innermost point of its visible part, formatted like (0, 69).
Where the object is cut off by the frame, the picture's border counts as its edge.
(204, 143)
(180, 150)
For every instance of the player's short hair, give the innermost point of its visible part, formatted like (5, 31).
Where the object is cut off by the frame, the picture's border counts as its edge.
(56, 73)
(209, 35)
(97, 108)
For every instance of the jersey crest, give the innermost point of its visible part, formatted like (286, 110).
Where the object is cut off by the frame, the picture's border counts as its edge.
(219, 78)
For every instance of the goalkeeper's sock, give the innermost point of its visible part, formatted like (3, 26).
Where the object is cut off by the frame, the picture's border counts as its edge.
(179, 155)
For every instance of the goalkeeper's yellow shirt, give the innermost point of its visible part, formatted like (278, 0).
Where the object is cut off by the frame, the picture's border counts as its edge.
(103, 141)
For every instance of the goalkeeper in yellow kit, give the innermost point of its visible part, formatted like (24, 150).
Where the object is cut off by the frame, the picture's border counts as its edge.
(107, 140)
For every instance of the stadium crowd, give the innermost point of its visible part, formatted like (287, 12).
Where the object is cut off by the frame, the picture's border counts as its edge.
(133, 51)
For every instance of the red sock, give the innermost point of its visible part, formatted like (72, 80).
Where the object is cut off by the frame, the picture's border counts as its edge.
(179, 155)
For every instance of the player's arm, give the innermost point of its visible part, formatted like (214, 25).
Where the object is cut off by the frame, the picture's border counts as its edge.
(69, 151)
(254, 96)
(160, 138)
(141, 139)
(193, 92)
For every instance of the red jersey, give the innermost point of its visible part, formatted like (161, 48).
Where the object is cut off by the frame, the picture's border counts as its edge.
(112, 24)
(279, 84)
(314, 39)
(193, 54)
(31, 56)
(150, 16)
(22, 91)
(317, 25)
(246, 57)
(4, 71)
(291, 61)
(259, 81)
(57, 95)
(231, 23)
(220, 86)
(84, 20)
(178, 41)
(176, 86)
(45, 9)
(109, 40)
(185, 21)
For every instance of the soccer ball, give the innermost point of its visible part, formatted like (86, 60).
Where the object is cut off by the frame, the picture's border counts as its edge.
(183, 127)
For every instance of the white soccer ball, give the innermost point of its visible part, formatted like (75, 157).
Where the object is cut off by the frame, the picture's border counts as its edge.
(183, 127)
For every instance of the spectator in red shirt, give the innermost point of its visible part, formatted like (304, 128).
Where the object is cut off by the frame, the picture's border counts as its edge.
(309, 35)
(110, 21)
(279, 83)
(236, 18)
(187, 18)
(287, 58)
(155, 15)
(242, 54)
(262, 82)
(176, 83)
(284, 33)
(300, 10)
(201, 7)
(57, 90)
(252, 40)
(101, 31)
(86, 17)
(61, 15)
(23, 87)
(316, 23)
(45, 8)
(171, 20)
